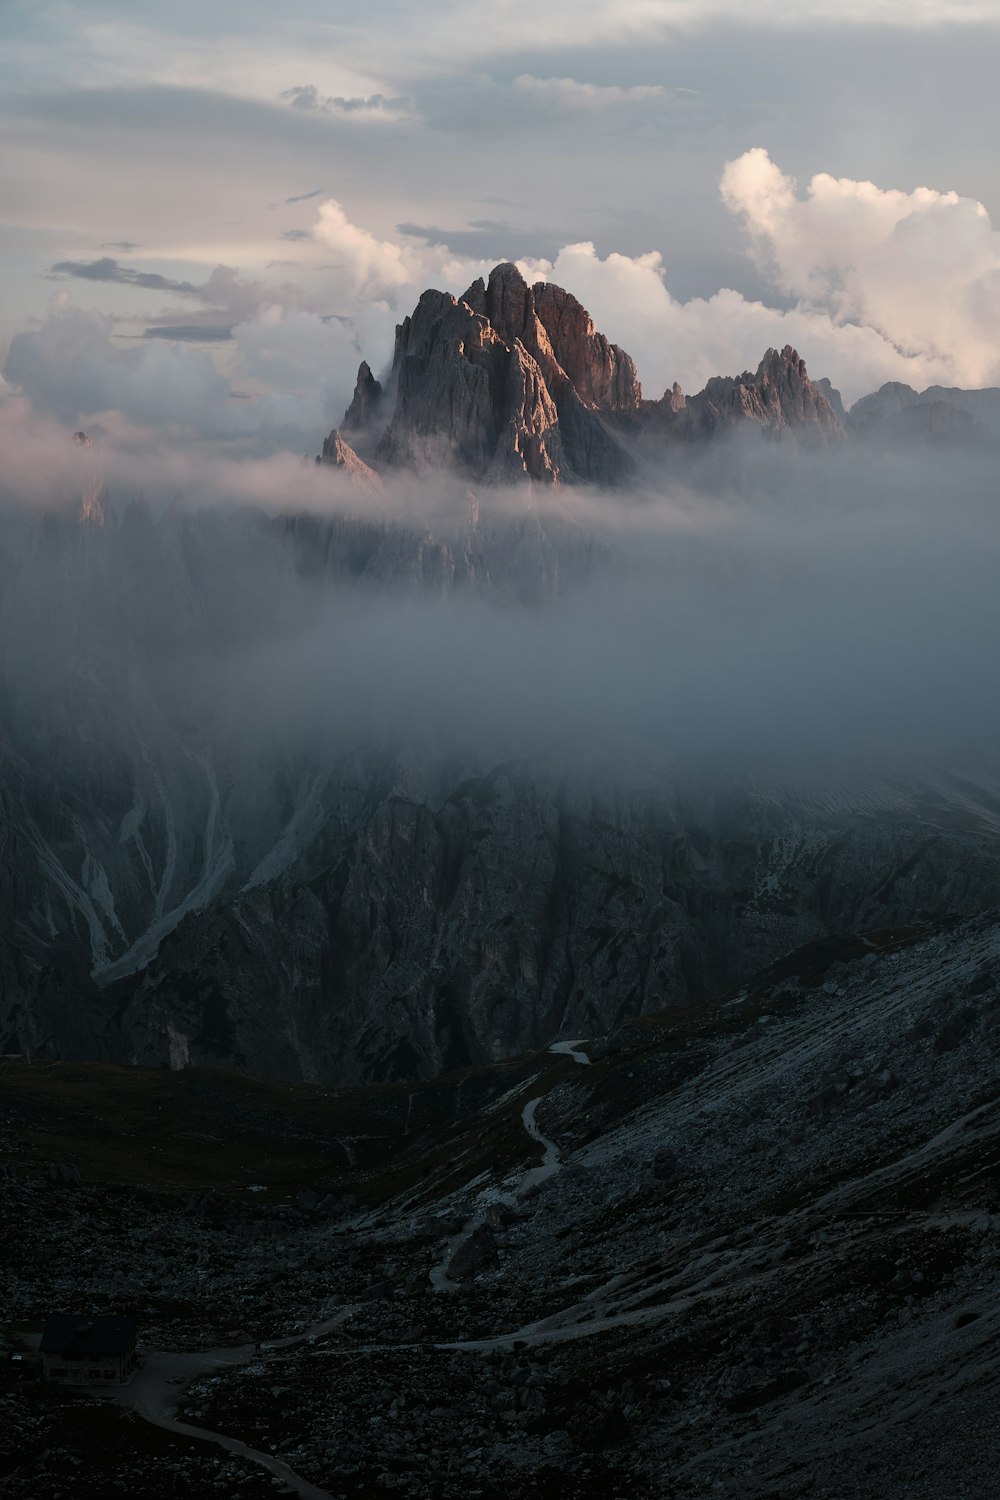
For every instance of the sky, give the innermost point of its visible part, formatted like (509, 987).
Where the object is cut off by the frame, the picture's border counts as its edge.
(210, 212)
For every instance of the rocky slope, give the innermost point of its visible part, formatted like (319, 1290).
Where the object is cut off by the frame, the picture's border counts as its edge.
(746, 1249)
(425, 935)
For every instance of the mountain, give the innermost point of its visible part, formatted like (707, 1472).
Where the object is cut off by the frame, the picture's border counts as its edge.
(478, 385)
(779, 398)
(512, 382)
(896, 416)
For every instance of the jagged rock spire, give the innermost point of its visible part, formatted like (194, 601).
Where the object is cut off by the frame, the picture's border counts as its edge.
(366, 404)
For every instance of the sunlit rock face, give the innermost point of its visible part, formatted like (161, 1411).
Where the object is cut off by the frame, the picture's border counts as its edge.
(780, 397)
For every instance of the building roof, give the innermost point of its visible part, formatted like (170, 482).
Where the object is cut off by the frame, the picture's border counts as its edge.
(66, 1333)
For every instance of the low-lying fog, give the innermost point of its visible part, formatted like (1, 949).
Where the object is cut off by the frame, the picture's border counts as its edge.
(788, 606)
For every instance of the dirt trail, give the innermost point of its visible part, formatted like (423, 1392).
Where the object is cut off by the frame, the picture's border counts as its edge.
(530, 1178)
(156, 1389)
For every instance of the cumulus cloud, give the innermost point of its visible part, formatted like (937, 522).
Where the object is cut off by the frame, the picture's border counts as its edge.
(71, 367)
(371, 269)
(920, 268)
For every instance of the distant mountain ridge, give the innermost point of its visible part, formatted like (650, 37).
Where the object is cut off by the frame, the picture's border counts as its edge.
(511, 383)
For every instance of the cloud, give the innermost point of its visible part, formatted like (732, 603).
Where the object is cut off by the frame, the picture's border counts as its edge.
(294, 371)
(307, 97)
(70, 367)
(922, 268)
(372, 268)
(228, 298)
(108, 269)
(189, 332)
(304, 197)
(565, 96)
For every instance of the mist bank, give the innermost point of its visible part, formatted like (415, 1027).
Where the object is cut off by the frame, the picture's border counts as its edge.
(359, 792)
(811, 606)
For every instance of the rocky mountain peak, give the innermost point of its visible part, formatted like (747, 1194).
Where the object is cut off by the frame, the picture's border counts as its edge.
(513, 381)
(366, 403)
(603, 375)
(779, 397)
(559, 333)
(897, 416)
(480, 387)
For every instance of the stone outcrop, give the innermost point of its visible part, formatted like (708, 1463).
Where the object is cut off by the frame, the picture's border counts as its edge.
(778, 400)
(467, 399)
(834, 397)
(559, 333)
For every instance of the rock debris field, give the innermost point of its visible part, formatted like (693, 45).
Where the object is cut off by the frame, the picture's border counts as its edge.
(749, 1249)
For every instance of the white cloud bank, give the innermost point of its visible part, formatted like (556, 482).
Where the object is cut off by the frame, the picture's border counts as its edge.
(921, 268)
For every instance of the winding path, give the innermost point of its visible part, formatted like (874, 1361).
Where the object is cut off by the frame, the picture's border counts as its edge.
(156, 1388)
(529, 1179)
